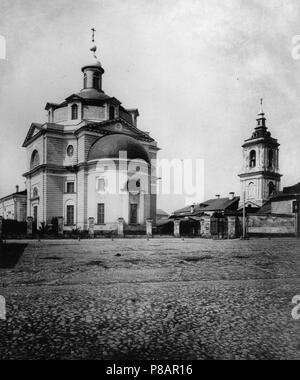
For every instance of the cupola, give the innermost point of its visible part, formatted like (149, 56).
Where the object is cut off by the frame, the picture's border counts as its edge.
(93, 70)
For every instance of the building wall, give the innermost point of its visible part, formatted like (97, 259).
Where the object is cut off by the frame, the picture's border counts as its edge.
(54, 196)
(257, 189)
(94, 113)
(55, 150)
(21, 209)
(116, 198)
(272, 225)
(69, 199)
(69, 161)
(153, 183)
(38, 145)
(60, 115)
(282, 207)
(36, 180)
(8, 209)
(82, 196)
(85, 142)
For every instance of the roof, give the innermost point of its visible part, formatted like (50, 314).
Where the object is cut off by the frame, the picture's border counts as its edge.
(217, 204)
(19, 193)
(161, 212)
(292, 189)
(288, 193)
(164, 222)
(37, 129)
(109, 126)
(266, 208)
(94, 64)
(110, 147)
(88, 94)
(91, 94)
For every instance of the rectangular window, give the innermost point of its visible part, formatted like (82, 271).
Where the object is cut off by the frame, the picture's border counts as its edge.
(70, 215)
(111, 112)
(101, 184)
(133, 213)
(70, 187)
(100, 213)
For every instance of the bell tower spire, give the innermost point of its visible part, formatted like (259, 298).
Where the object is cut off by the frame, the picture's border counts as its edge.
(261, 107)
(261, 120)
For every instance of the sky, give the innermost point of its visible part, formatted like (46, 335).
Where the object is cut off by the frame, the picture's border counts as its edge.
(195, 69)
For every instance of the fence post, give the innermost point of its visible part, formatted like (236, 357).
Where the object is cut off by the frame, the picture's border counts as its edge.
(177, 228)
(91, 227)
(232, 234)
(1, 228)
(60, 220)
(29, 225)
(207, 227)
(298, 218)
(149, 227)
(121, 227)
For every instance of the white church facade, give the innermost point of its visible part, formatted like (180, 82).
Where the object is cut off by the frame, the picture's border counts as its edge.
(90, 161)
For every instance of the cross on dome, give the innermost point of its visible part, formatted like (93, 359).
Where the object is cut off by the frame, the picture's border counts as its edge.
(93, 49)
(261, 106)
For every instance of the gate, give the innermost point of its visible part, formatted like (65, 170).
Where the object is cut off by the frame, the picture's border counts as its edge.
(219, 228)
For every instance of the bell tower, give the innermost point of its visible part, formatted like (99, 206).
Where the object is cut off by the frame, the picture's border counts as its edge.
(260, 178)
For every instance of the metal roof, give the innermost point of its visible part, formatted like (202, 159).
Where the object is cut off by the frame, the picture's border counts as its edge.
(217, 204)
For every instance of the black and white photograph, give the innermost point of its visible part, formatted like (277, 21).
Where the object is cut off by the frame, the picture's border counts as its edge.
(149, 183)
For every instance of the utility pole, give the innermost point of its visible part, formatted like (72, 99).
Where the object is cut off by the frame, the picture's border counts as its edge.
(298, 217)
(244, 217)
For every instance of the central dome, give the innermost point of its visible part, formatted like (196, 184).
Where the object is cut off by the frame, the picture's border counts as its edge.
(110, 146)
(92, 94)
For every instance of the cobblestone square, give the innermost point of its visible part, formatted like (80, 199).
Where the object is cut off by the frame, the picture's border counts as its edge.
(156, 299)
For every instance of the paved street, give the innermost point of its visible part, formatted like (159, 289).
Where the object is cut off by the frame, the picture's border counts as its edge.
(157, 299)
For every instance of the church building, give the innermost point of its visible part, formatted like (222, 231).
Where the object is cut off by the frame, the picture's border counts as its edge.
(90, 161)
(260, 178)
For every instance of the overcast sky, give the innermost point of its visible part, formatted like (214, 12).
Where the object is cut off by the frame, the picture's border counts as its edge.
(194, 69)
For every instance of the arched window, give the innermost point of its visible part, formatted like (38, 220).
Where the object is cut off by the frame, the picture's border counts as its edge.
(271, 188)
(35, 192)
(74, 111)
(96, 81)
(35, 159)
(270, 158)
(85, 81)
(252, 159)
(111, 112)
(251, 190)
(70, 150)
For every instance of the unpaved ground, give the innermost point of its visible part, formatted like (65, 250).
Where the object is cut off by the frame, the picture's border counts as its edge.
(157, 299)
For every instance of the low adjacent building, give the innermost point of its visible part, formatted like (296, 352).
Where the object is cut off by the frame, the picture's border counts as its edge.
(206, 219)
(283, 203)
(13, 206)
(217, 205)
